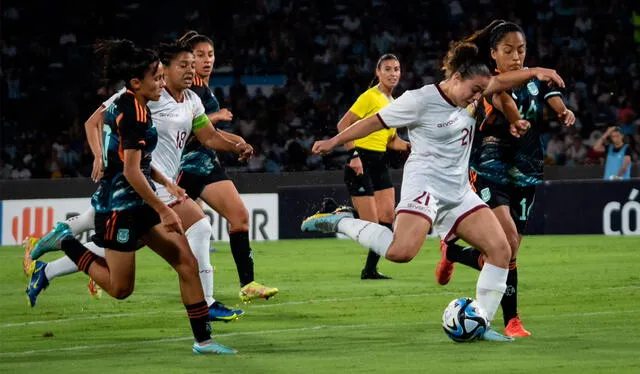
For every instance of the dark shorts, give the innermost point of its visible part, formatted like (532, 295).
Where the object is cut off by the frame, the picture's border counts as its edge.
(194, 184)
(375, 177)
(123, 230)
(518, 199)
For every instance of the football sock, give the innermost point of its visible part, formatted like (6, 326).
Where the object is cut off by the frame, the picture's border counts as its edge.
(510, 299)
(373, 258)
(61, 266)
(199, 319)
(490, 288)
(465, 255)
(371, 235)
(82, 222)
(242, 255)
(80, 255)
(64, 265)
(198, 236)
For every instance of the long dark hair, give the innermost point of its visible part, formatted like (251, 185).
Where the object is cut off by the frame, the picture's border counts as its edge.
(122, 60)
(488, 38)
(383, 58)
(193, 38)
(463, 58)
(169, 51)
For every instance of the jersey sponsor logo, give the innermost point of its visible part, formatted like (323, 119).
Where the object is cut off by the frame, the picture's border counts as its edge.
(533, 88)
(169, 115)
(123, 236)
(446, 124)
(485, 194)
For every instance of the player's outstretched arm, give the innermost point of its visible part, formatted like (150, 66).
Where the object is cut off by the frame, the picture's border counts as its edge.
(512, 79)
(564, 114)
(212, 138)
(505, 104)
(358, 130)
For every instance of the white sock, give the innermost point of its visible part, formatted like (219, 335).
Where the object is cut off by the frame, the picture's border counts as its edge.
(95, 249)
(198, 236)
(491, 285)
(83, 222)
(64, 265)
(371, 235)
(61, 266)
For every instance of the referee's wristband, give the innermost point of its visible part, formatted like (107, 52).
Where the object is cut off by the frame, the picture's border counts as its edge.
(354, 154)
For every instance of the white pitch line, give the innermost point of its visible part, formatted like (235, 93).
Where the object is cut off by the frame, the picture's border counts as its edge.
(274, 305)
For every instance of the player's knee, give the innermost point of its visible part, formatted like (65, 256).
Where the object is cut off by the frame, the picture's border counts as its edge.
(386, 217)
(188, 265)
(401, 253)
(121, 292)
(501, 253)
(239, 220)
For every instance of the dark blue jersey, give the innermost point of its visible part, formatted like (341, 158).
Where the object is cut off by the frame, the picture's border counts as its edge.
(502, 158)
(128, 125)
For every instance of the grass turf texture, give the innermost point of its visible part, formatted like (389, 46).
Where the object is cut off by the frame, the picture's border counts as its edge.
(578, 295)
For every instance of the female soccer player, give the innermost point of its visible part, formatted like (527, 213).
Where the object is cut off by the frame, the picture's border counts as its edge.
(435, 187)
(505, 169)
(128, 212)
(202, 175)
(177, 114)
(366, 175)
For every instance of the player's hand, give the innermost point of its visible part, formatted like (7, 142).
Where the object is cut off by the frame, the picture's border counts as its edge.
(171, 221)
(224, 115)
(407, 146)
(567, 117)
(356, 165)
(245, 151)
(519, 127)
(322, 147)
(549, 75)
(98, 169)
(609, 131)
(176, 191)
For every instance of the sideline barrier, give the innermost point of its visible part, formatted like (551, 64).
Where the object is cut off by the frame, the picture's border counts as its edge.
(561, 207)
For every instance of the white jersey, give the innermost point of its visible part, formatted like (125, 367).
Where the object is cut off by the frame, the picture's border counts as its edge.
(441, 136)
(174, 122)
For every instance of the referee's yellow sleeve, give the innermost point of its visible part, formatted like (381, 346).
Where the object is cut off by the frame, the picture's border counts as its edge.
(362, 106)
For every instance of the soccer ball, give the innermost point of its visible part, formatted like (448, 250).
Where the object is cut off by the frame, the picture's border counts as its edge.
(463, 320)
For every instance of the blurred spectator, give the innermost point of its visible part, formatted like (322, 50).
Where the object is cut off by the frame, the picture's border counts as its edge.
(618, 154)
(556, 149)
(576, 153)
(20, 171)
(326, 51)
(5, 169)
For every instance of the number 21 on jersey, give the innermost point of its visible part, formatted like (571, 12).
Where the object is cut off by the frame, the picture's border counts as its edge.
(467, 134)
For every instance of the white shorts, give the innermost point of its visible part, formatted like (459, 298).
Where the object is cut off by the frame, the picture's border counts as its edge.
(435, 205)
(164, 195)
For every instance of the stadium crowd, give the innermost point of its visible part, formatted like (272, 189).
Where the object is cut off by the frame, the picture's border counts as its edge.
(327, 50)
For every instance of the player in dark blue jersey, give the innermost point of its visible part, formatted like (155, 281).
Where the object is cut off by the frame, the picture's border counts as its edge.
(202, 175)
(507, 159)
(128, 212)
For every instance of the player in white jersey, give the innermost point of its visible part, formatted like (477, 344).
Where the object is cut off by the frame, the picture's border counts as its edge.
(178, 112)
(435, 186)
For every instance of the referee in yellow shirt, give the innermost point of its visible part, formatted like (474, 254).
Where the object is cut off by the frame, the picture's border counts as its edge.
(367, 175)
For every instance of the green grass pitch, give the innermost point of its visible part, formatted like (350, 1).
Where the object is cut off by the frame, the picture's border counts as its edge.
(579, 295)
